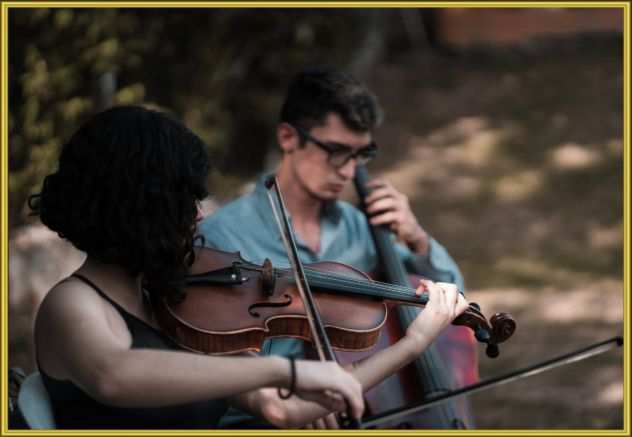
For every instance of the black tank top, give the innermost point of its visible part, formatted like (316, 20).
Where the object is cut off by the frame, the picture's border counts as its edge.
(74, 409)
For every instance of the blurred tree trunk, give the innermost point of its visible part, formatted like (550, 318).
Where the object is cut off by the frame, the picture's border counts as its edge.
(415, 28)
(105, 91)
(372, 44)
(422, 29)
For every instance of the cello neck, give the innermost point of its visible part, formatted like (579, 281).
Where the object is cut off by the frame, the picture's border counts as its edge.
(429, 365)
(393, 269)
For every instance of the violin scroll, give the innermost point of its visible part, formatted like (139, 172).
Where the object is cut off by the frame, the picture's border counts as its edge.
(500, 327)
(503, 326)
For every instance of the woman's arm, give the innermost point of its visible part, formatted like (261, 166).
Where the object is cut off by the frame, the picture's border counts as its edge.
(445, 303)
(79, 341)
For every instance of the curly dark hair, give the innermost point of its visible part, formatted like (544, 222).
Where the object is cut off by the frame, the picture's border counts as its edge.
(316, 92)
(126, 193)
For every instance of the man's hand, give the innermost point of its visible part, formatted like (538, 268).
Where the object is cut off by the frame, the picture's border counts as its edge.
(387, 206)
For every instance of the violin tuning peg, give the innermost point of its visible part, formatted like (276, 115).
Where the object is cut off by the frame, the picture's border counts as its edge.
(492, 351)
(482, 334)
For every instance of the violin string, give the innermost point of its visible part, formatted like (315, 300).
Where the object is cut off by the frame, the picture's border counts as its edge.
(382, 289)
(389, 289)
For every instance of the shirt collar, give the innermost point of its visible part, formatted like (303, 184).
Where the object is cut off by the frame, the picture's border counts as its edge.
(331, 212)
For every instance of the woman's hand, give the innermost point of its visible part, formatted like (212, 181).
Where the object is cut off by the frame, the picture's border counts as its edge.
(320, 388)
(329, 385)
(444, 304)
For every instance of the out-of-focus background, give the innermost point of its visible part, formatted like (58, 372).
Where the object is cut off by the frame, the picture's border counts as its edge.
(503, 126)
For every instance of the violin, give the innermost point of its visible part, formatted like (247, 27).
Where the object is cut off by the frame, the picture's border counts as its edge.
(232, 305)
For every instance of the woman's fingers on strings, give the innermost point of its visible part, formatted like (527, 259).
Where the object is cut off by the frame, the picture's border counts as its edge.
(443, 296)
(430, 288)
(462, 304)
(440, 295)
(421, 288)
(450, 290)
(455, 299)
(447, 297)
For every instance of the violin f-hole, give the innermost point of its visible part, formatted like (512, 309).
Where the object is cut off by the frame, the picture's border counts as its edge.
(284, 303)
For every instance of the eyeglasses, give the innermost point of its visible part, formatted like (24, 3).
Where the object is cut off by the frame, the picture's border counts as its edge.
(338, 155)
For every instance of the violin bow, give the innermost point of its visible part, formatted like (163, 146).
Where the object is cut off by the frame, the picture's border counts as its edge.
(562, 360)
(319, 334)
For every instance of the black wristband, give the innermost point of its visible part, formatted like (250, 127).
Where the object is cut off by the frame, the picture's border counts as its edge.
(292, 380)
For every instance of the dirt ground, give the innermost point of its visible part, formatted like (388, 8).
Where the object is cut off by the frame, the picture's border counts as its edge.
(513, 160)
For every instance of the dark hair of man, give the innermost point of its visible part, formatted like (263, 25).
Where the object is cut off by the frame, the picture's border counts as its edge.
(314, 93)
(125, 192)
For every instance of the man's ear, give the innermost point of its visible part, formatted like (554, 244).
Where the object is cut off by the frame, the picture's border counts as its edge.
(287, 138)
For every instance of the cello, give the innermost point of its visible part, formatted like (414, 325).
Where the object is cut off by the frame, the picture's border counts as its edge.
(427, 376)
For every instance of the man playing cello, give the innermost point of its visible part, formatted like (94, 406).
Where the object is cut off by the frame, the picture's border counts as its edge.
(325, 131)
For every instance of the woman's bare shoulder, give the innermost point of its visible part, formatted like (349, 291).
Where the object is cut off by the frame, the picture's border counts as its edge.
(70, 298)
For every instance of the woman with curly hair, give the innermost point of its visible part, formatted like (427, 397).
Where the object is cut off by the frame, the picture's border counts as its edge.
(126, 192)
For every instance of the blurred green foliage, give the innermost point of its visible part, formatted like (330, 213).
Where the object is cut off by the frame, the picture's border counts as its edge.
(221, 71)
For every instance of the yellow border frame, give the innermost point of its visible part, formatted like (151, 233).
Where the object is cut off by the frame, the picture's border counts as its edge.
(625, 6)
